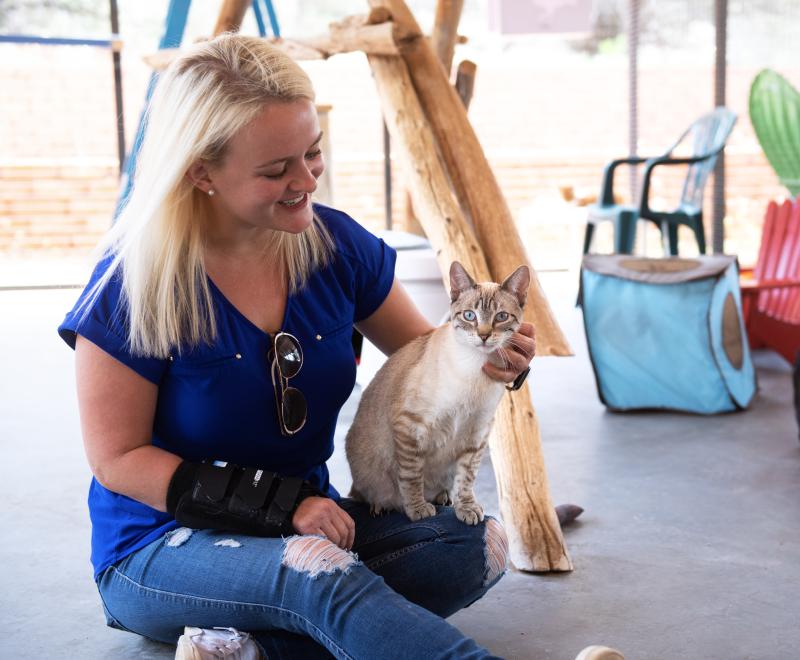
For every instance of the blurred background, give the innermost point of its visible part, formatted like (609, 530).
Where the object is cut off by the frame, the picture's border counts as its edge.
(551, 107)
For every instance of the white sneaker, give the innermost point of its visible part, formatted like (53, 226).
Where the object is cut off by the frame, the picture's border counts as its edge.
(212, 643)
(599, 653)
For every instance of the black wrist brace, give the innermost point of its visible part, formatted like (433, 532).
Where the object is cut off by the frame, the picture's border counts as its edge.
(232, 498)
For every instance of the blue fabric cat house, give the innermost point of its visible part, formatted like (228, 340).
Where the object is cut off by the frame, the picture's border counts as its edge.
(667, 333)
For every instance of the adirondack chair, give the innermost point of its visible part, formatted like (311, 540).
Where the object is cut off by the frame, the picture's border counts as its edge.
(775, 115)
(704, 140)
(771, 290)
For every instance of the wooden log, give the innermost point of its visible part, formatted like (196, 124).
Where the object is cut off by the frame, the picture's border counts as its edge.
(231, 15)
(360, 36)
(473, 180)
(415, 149)
(535, 540)
(445, 27)
(346, 37)
(465, 81)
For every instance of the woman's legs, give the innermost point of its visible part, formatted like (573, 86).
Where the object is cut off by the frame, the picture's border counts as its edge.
(302, 585)
(439, 563)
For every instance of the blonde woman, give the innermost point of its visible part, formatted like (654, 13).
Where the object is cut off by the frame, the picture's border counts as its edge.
(213, 355)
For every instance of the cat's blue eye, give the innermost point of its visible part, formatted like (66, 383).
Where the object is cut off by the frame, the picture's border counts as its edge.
(468, 315)
(501, 316)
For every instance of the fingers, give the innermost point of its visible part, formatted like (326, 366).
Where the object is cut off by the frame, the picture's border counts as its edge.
(523, 341)
(320, 515)
(501, 375)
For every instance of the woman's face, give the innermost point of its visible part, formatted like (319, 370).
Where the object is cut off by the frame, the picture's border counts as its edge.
(269, 170)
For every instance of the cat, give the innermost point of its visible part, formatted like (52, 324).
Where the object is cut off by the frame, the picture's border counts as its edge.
(422, 425)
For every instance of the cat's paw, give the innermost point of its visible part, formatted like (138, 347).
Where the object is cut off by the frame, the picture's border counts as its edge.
(376, 510)
(422, 510)
(470, 513)
(443, 498)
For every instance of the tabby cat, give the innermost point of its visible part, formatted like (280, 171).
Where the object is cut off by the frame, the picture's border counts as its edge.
(423, 422)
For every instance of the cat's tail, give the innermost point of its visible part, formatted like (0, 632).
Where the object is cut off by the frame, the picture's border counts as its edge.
(567, 513)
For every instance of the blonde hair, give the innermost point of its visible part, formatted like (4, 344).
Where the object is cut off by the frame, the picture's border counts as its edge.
(200, 101)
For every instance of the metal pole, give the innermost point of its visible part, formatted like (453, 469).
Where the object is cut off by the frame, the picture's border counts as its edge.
(116, 57)
(633, 94)
(387, 175)
(633, 114)
(720, 77)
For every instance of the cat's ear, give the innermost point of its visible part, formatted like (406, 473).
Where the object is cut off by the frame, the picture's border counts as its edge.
(460, 281)
(517, 284)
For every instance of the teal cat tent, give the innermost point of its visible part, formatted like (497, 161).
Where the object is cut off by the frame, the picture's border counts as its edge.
(667, 333)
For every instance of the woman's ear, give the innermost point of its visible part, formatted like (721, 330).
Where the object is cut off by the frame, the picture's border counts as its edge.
(199, 177)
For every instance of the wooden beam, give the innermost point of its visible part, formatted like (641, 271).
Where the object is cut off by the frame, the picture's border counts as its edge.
(231, 15)
(415, 149)
(465, 81)
(473, 180)
(349, 36)
(358, 35)
(443, 39)
(445, 31)
(534, 533)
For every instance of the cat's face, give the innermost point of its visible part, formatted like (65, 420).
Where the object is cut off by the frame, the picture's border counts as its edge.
(486, 315)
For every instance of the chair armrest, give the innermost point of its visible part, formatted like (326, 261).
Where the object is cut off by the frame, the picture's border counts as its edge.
(607, 190)
(755, 286)
(644, 203)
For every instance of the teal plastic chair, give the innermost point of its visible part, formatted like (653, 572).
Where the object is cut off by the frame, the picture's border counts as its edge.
(775, 115)
(703, 141)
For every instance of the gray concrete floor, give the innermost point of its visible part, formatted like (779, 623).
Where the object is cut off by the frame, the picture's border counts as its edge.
(689, 546)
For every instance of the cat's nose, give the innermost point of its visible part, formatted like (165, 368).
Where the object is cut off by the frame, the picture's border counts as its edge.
(483, 336)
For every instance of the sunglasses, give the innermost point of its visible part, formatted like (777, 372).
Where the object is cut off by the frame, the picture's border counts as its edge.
(287, 358)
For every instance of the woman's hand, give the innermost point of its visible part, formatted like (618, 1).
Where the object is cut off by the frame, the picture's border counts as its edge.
(321, 515)
(515, 357)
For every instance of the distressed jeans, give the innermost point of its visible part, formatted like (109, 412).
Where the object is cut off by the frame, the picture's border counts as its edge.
(302, 597)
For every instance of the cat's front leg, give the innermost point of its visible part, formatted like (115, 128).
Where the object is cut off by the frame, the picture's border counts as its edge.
(465, 506)
(409, 430)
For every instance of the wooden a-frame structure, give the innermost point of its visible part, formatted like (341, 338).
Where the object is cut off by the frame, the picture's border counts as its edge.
(459, 204)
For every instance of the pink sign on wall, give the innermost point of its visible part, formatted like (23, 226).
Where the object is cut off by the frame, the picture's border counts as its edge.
(539, 16)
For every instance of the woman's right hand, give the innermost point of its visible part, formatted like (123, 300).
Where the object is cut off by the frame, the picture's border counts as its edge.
(321, 515)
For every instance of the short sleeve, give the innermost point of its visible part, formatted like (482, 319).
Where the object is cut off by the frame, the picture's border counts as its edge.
(371, 259)
(104, 322)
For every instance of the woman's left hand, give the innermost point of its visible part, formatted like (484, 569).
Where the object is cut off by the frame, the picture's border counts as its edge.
(516, 356)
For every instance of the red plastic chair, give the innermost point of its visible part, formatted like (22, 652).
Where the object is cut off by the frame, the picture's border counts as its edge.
(771, 290)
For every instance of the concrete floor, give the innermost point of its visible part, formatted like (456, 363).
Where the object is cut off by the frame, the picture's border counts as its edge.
(689, 547)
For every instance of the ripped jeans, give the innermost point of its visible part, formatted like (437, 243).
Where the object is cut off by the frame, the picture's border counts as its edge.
(302, 597)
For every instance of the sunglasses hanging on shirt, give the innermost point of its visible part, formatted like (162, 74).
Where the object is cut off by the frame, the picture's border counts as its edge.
(287, 359)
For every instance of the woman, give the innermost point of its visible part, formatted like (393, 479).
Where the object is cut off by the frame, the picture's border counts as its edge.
(222, 289)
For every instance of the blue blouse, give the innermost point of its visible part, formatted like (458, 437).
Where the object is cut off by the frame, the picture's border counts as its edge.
(217, 401)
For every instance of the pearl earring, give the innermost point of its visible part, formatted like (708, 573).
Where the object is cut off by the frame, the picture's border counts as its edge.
(210, 192)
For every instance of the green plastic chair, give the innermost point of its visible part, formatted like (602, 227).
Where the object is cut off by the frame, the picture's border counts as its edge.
(775, 115)
(704, 140)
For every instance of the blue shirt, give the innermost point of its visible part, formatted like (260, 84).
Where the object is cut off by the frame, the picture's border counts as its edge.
(217, 401)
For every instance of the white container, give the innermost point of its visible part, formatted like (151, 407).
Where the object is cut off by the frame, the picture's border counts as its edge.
(418, 272)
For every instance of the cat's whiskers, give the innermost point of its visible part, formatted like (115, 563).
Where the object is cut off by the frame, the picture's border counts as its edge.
(502, 353)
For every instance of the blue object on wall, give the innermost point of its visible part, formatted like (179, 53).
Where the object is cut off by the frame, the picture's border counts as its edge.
(174, 28)
(667, 333)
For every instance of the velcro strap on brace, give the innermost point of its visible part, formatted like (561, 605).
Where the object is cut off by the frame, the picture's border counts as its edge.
(252, 491)
(283, 503)
(211, 482)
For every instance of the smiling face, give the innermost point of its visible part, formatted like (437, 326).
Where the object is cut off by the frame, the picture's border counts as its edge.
(268, 172)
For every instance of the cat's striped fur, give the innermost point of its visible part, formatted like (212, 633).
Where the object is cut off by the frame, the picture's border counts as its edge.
(423, 422)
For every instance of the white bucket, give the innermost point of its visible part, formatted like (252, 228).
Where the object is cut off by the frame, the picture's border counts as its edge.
(418, 272)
